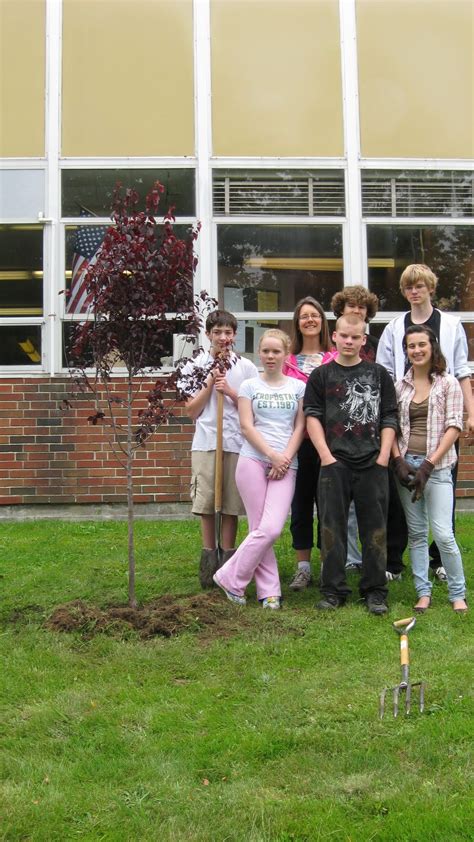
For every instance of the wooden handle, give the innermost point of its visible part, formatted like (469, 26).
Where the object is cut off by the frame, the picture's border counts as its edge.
(404, 659)
(405, 622)
(219, 441)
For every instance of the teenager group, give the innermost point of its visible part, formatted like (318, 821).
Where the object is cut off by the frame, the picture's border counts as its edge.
(344, 426)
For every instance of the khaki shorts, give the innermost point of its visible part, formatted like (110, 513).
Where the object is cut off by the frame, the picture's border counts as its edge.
(202, 483)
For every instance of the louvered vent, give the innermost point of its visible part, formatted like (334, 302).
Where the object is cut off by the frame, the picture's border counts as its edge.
(416, 194)
(272, 195)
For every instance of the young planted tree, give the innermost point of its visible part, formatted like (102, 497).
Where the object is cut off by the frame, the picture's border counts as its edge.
(140, 294)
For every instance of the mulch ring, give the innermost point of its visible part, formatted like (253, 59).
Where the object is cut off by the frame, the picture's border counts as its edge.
(205, 614)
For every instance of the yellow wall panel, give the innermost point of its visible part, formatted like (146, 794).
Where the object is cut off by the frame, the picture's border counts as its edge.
(276, 78)
(127, 78)
(416, 78)
(22, 78)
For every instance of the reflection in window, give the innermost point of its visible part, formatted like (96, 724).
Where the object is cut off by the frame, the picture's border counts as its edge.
(270, 267)
(21, 270)
(177, 346)
(278, 193)
(417, 193)
(447, 250)
(83, 244)
(20, 345)
(92, 190)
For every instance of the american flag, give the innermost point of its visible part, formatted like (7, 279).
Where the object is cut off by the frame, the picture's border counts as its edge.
(86, 249)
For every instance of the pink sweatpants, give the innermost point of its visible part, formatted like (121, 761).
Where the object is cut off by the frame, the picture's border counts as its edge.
(267, 503)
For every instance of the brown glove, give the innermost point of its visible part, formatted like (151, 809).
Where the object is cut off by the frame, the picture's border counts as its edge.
(421, 478)
(404, 472)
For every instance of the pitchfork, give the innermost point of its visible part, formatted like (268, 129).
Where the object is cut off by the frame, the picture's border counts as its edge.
(402, 627)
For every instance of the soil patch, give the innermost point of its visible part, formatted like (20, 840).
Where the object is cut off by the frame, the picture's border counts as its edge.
(205, 614)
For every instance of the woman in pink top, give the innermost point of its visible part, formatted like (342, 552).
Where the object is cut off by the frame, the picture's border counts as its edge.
(310, 342)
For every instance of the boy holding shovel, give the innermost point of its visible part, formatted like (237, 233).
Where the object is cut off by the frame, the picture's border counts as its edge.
(216, 372)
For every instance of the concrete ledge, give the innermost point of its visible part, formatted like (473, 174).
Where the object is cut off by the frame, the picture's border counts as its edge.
(143, 511)
(91, 511)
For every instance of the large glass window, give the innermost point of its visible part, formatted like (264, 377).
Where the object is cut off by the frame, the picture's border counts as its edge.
(447, 249)
(83, 243)
(270, 267)
(91, 191)
(21, 270)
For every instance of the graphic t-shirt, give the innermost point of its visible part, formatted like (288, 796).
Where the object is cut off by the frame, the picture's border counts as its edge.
(274, 410)
(353, 403)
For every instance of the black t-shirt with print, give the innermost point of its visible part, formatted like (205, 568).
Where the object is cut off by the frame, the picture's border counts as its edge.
(353, 403)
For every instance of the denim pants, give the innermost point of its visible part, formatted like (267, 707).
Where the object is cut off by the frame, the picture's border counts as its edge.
(368, 487)
(435, 510)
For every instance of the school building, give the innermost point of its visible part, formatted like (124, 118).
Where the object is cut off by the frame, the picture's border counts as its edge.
(320, 143)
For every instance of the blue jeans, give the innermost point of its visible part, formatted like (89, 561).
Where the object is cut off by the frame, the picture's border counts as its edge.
(435, 510)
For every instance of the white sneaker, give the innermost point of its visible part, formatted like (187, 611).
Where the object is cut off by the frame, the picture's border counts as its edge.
(272, 602)
(301, 580)
(440, 574)
(393, 577)
(233, 597)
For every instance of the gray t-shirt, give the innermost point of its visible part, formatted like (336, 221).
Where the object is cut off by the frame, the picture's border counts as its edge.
(274, 411)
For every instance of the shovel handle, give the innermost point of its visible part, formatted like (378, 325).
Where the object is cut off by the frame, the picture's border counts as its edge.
(219, 448)
(404, 657)
(406, 622)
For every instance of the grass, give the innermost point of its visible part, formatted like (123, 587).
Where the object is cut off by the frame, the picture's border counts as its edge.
(269, 733)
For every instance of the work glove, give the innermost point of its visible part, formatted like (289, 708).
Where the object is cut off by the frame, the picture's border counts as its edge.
(421, 478)
(404, 472)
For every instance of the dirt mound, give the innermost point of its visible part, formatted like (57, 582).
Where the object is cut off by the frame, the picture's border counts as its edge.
(168, 615)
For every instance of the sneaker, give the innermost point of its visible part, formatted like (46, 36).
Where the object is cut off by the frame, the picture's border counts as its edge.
(352, 567)
(329, 603)
(301, 580)
(272, 602)
(233, 597)
(440, 574)
(376, 605)
(393, 577)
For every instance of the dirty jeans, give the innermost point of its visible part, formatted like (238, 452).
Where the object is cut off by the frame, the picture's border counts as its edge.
(435, 509)
(368, 487)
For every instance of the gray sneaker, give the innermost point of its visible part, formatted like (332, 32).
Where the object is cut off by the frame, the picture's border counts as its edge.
(440, 574)
(393, 577)
(301, 580)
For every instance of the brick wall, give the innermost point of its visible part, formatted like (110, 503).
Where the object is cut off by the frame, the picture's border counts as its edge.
(51, 456)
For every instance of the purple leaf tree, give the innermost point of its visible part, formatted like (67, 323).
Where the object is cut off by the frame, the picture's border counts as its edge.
(140, 294)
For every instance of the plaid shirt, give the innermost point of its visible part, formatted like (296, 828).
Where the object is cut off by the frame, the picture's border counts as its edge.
(445, 408)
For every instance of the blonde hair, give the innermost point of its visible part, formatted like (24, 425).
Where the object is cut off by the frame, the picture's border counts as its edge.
(276, 333)
(418, 272)
(352, 320)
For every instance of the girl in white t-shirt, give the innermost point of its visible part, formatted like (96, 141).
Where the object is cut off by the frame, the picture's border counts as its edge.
(272, 423)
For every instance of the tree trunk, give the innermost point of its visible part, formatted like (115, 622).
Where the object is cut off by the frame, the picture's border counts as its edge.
(132, 601)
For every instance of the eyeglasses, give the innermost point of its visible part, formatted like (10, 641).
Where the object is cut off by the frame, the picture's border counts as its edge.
(309, 318)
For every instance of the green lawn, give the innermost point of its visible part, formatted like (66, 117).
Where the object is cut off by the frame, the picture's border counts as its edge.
(267, 732)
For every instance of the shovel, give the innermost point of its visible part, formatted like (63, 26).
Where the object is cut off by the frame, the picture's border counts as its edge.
(218, 477)
(402, 627)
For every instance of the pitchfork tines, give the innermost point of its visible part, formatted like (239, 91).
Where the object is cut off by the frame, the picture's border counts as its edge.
(402, 627)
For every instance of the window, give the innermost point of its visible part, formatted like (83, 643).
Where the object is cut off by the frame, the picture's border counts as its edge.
(21, 270)
(91, 191)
